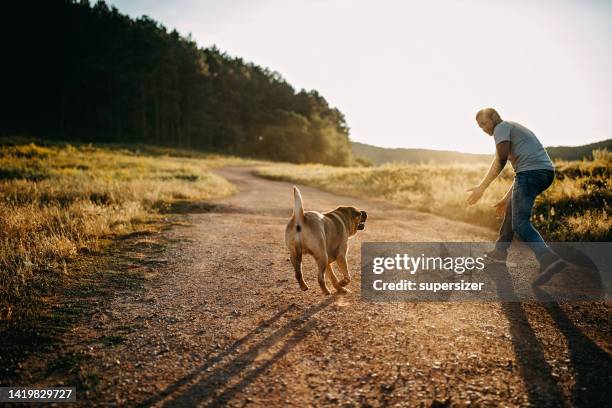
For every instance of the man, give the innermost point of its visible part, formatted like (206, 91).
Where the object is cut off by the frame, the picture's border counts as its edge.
(535, 172)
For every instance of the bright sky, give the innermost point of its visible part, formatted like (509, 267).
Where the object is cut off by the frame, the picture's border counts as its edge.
(414, 73)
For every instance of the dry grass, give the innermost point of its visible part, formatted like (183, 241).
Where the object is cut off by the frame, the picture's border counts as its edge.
(575, 208)
(59, 200)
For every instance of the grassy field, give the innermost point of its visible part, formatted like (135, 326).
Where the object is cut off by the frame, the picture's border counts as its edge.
(58, 201)
(575, 208)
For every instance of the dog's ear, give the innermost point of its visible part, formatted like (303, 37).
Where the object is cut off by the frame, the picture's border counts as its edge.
(352, 212)
(346, 211)
(355, 216)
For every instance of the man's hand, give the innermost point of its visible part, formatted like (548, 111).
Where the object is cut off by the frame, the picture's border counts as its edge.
(476, 194)
(500, 207)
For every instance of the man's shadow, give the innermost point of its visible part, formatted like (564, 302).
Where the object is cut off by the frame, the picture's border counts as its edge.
(208, 382)
(591, 365)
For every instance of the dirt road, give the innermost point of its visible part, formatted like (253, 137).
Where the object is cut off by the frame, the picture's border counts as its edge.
(226, 324)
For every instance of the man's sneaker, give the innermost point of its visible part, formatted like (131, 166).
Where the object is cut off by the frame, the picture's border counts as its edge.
(495, 257)
(550, 265)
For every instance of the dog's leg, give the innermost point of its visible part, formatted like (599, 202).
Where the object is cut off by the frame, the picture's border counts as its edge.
(343, 265)
(296, 260)
(322, 264)
(332, 276)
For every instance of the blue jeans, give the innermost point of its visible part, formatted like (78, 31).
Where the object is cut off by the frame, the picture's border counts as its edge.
(527, 186)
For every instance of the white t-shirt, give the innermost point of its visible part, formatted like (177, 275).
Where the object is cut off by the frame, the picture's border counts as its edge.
(526, 151)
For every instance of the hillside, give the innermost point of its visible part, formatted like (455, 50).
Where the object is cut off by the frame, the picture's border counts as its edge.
(577, 152)
(381, 155)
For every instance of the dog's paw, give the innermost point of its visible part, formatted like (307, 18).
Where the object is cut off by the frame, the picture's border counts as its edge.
(325, 291)
(304, 287)
(344, 282)
(342, 291)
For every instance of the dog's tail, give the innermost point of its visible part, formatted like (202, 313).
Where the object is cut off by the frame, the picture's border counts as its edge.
(298, 209)
(296, 253)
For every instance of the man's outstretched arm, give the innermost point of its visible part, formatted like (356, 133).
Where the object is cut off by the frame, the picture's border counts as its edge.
(498, 164)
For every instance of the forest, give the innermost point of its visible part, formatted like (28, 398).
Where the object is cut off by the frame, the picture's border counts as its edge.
(85, 72)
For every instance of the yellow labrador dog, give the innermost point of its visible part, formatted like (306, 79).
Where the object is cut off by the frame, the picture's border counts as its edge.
(325, 237)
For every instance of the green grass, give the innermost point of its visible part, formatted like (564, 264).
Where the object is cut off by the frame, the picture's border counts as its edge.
(574, 208)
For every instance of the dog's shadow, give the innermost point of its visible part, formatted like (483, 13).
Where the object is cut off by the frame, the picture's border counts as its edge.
(207, 384)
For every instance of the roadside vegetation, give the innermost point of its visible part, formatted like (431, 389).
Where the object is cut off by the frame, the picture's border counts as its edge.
(575, 208)
(59, 201)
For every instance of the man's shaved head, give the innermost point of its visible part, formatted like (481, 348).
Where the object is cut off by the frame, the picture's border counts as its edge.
(489, 113)
(487, 119)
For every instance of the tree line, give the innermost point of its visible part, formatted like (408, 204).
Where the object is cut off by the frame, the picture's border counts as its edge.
(87, 72)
